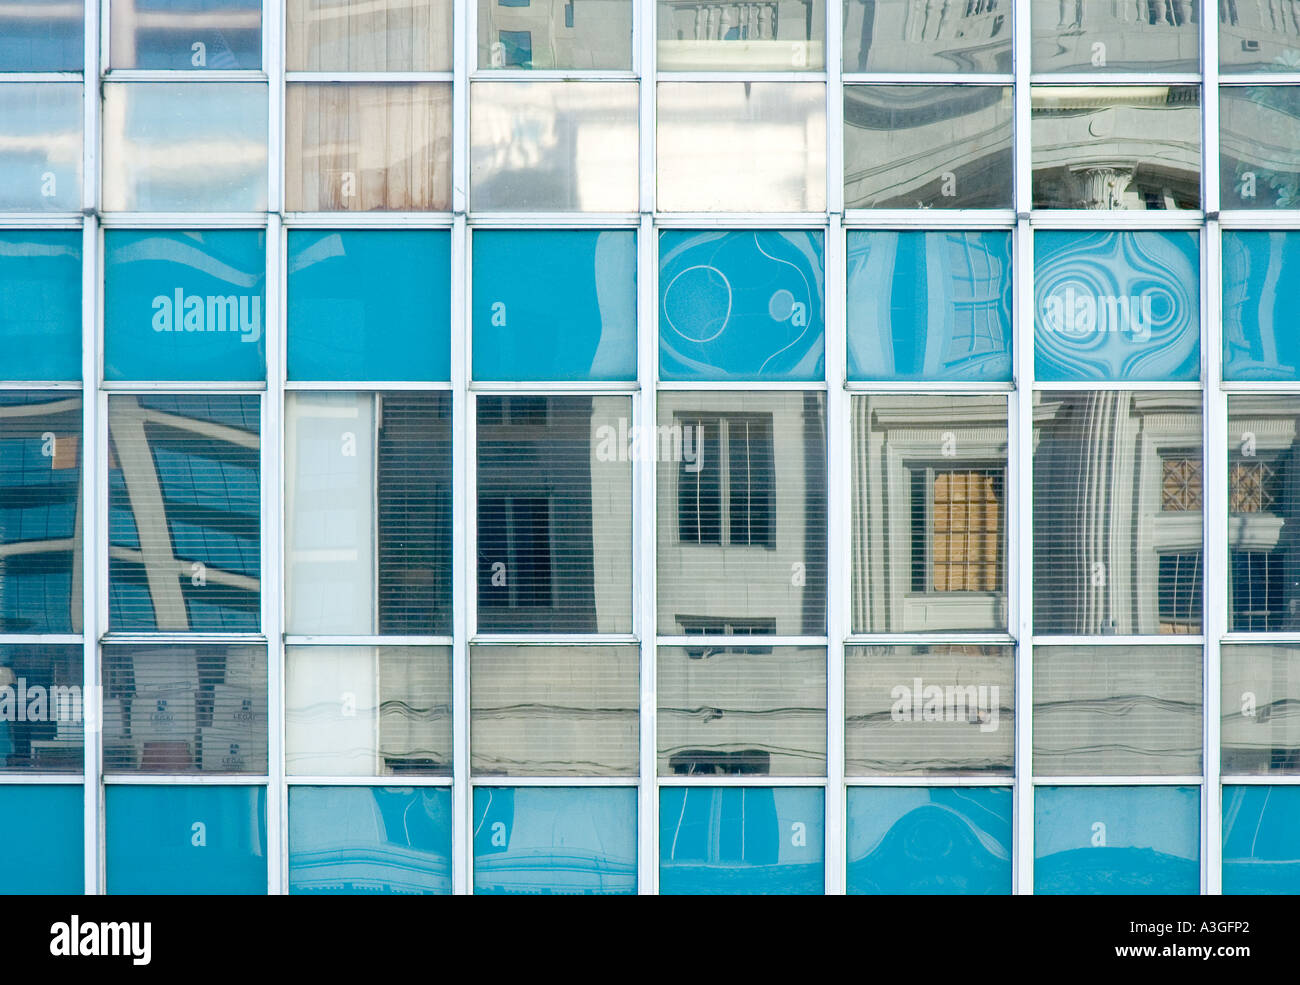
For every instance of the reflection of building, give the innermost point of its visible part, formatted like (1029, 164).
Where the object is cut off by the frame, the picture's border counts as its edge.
(1264, 34)
(717, 34)
(550, 33)
(939, 35)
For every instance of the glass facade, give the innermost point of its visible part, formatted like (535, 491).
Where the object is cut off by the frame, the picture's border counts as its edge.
(639, 446)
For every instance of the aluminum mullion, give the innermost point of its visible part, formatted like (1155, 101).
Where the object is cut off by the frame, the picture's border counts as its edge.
(462, 551)
(277, 813)
(93, 556)
(644, 470)
(1020, 590)
(1214, 600)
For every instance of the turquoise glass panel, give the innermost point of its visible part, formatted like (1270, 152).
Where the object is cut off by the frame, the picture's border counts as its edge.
(936, 841)
(929, 305)
(554, 840)
(1261, 840)
(185, 305)
(1261, 319)
(41, 828)
(1116, 306)
(181, 840)
(1127, 841)
(741, 306)
(741, 841)
(370, 840)
(368, 304)
(40, 304)
(555, 305)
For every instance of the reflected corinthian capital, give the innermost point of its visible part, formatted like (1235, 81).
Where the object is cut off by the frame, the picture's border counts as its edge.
(1099, 187)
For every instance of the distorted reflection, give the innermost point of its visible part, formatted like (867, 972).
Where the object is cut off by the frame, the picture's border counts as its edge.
(1259, 134)
(1261, 322)
(40, 146)
(219, 35)
(1261, 841)
(555, 34)
(1259, 37)
(1104, 36)
(42, 36)
(927, 36)
(717, 35)
(1261, 708)
(42, 708)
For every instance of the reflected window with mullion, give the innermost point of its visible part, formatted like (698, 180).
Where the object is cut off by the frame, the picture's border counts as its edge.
(725, 489)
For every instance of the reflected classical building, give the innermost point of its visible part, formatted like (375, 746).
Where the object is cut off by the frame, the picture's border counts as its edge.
(927, 36)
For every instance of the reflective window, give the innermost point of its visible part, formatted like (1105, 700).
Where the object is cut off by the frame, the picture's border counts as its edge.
(929, 513)
(221, 35)
(562, 841)
(44, 827)
(929, 305)
(1116, 147)
(42, 709)
(927, 147)
(741, 541)
(1261, 841)
(929, 709)
(368, 841)
(1102, 36)
(185, 840)
(1258, 37)
(1259, 133)
(368, 513)
(553, 146)
(554, 304)
(554, 488)
(40, 304)
(1261, 324)
(184, 512)
(720, 35)
(741, 841)
(40, 511)
(741, 306)
(184, 147)
(367, 710)
(555, 34)
(42, 36)
(554, 710)
(1261, 688)
(914, 841)
(1117, 512)
(1109, 841)
(927, 36)
(40, 145)
(742, 710)
(185, 709)
(741, 146)
(368, 35)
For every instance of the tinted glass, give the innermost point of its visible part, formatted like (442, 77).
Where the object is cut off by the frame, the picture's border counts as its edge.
(45, 825)
(1261, 690)
(1261, 325)
(42, 709)
(555, 34)
(40, 304)
(1258, 38)
(1101, 36)
(219, 35)
(42, 36)
(368, 35)
(1259, 164)
(1261, 841)
(777, 35)
(927, 36)
(40, 146)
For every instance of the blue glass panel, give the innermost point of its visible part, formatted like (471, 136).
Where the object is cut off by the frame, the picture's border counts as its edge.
(178, 840)
(1116, 306)
(929, 306)
(41, 829)
(40, 304)
(50, 41)
(1117, 841)
(562, 840)
(40, 146)
(185, 305)
(941, 840)
(370, 840)
(1261, 320)
(218, 35)
(741, 306)
(1261, 840)
(370, 305)
(555, 305)
(741, 840)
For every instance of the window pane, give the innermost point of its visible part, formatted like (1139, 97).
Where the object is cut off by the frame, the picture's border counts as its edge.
(44, 829)
(554, 514)
(554, 710)
(741, 841)
(1261, 324)
(1102, 36)
(741, 306)
(742, 710)
(522, 279)
(221, 35)
(1260, 147)
(555, 34)
(369, 305)
(913, 841)
(1261, 841)
(1108, 841)
(40, 304)
(927, 147)
(1117, 306)
(929, 513)
(929, 305)
(185, 709)
(368, 513)
(1117, 710)
(1261, 689)
(369, 36)
(367, 710)
(1117, 512)
(930, 36)
(741, 546)
(42, 709)
(554, 841)
(185, 147)
(741, 146)
(366, 841)
(40, 511)
(42, 36)
(1116, 147)
(720, 35)
(184, 305)
(152, 849)
(184, 511)
(553, 146)
(1258, 38)
(367, 147)
(40, 146)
